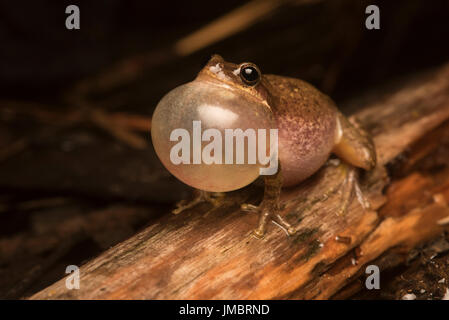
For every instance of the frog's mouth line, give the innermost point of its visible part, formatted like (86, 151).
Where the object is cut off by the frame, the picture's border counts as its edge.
(210, 79)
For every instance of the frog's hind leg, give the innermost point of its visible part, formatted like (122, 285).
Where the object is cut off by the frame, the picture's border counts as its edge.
(269, 208)
(216, 198)
(356, 149)
(349, 188)
(354, 144)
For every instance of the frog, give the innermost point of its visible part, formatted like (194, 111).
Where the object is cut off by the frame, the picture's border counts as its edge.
(310, 127)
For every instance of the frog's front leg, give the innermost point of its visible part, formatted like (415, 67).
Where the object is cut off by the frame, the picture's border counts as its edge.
(356, 148)
(215, 198)
(269, 208)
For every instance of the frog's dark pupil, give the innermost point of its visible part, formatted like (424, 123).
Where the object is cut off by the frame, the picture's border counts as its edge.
(250, 74)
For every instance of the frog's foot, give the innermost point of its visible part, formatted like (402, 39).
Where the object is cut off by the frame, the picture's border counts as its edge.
(268, 210)
(215, 198)
(350, 188)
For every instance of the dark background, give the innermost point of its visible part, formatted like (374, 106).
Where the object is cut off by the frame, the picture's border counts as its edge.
(69, 190)
(39, 57)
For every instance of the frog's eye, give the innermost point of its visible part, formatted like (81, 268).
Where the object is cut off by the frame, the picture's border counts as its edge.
(250, 74)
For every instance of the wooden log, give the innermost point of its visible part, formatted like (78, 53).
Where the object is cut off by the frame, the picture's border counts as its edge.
(209, 253)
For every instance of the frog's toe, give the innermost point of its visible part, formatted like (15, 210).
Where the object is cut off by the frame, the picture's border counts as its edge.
(258, 233)
(268, 212)
(284, 224)
(361, 197)
(185, 205)
(350, 188)
(248, 207)
(215, 198)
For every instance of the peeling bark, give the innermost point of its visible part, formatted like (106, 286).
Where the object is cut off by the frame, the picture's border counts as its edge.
(209, 253)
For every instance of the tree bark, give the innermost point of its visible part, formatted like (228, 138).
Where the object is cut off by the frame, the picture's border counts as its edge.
(209, 253)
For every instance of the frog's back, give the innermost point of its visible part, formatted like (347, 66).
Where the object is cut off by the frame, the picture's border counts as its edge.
(307, 123)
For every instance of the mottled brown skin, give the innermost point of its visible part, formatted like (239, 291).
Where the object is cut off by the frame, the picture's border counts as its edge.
(310, 129)
(307, 122)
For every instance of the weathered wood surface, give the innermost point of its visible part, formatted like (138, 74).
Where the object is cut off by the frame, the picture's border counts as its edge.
(208, 253)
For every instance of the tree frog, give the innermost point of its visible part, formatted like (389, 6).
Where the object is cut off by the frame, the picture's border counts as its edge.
(228, 96)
